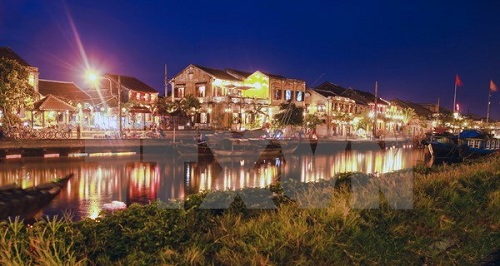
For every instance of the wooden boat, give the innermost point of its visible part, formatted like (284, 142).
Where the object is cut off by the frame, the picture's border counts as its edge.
(233, 147)
(467, 144)
(252, 147)
(25, 203)
(194, 148)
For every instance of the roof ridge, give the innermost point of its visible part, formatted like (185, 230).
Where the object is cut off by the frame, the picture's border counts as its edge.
(57, 81)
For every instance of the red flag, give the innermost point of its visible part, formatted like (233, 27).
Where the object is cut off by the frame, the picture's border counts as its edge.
(458, 82)
(493, 87)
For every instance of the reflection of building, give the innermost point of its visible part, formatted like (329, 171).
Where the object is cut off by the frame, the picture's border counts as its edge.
(235, 99)
(143, 179)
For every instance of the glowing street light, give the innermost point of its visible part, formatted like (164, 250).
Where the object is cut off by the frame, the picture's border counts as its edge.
(93, 77)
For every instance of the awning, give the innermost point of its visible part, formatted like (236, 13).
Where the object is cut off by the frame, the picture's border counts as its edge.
(244, 87)
(139, 109)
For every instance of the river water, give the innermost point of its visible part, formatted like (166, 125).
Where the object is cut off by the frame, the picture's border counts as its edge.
(129, 179)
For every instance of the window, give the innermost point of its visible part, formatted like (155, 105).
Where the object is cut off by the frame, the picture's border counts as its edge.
(219, 91)
(299, 96)
(31, 79)
(137, 96)
(288, 95)
(278, 94)
(179, 92)
(200, 91)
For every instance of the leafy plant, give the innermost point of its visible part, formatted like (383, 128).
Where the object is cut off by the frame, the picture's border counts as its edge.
(15, 91)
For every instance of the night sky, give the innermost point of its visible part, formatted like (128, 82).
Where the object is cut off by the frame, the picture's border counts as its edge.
(413, 49)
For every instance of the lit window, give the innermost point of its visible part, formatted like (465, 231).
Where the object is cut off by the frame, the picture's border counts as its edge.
(31, 79)
(278, 94)
(288, 95)
(201, 92)
(299, 96)
(179, 92)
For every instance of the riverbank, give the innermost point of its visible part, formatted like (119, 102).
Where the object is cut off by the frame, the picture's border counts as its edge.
(453, 219)
(11, 149)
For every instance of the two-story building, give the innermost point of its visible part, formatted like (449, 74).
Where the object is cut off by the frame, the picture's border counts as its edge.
(136, 101)
(235, 99)
(361, 104)
(336, 111)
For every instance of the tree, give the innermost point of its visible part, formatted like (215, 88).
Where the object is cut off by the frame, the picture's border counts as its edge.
(312, 121)
(181, 109)
(408, 115)
(16, 93)
(190, 103)
(289, 115)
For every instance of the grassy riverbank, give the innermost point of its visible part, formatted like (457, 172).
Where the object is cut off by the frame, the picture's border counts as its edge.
(454, 220)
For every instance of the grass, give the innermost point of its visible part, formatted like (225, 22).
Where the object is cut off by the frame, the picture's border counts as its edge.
(454, 219)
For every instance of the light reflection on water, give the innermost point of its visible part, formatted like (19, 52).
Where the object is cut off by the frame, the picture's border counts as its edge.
(130, 180)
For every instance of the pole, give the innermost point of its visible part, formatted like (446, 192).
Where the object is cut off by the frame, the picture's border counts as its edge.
(174, 120)
(489, 103)
(455, 99)
(165, 81)
(119, 107)
(375, 111)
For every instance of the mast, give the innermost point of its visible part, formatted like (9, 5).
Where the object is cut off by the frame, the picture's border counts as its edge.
(455, 98)
(458, 83)
(165, 81)
(489, 103)
(375, 111)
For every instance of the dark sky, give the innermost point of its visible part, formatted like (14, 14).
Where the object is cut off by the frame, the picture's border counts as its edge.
(413, 49)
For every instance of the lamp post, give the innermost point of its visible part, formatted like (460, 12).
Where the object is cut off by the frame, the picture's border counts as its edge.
(94, 77)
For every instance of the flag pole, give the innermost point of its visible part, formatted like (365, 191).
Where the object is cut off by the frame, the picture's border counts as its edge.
(455, 98)
(489, 103)
(375, 111)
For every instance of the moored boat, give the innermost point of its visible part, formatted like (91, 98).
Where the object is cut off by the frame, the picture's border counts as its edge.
(193, 148)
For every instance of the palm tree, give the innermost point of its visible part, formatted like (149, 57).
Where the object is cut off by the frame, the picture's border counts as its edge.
(289, 115)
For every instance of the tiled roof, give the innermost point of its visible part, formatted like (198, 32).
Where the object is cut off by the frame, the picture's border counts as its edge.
(332, 88)
(244, 74)
(10, 54)
(432, 108)
(325, 94)
(52, 103)
(360, 97)
(102, 97)
(419, 109)
(217, 73)
(238, 73)
(66, 91)
(132, 83)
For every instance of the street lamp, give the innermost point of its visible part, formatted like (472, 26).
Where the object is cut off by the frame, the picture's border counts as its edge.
(93, 77)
